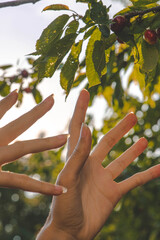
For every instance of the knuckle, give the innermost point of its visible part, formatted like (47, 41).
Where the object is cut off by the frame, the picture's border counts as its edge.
(138, 179)
(110, 141)
(120, 166)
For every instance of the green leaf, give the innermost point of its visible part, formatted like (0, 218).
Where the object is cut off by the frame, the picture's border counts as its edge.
(148, 56)
(83, 1)
(69, 69)
(72, 27)
(4, 89)
(137, 76)
(4, 67)
(37, 95)
(142, 2)
(126, 35)
(99, 13)
(98, 56)
(51, 34)
(89, 32)
(48, 64)
(79, 79)
(155, 23)
(56, 7)
(110, 41)
(92, 74)
(86, 19)
(104, 30)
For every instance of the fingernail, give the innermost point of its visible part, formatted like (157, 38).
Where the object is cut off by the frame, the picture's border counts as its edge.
(61, 189)
(65, 190)
(49, 97)
(16, 90)
(63, 136)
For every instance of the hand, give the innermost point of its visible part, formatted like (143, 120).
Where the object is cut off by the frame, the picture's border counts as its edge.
(92, 192)
(9, 153)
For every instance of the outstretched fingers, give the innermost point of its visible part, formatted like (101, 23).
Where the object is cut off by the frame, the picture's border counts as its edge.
(139, 179)
(18, 149)
(7, 102)
(117, 166)
(80, 154)
(113, 136)
(77, 120)
(26, 183)
(12, 130)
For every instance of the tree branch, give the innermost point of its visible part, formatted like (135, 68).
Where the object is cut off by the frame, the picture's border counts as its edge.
(142, 12)
(16, 3)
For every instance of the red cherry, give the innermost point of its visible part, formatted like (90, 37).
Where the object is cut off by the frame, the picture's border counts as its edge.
(24, 73)
(150, 36)
(118, 23)
(158, 32)
(27, 90)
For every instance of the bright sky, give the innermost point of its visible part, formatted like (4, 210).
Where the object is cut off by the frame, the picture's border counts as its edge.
(20, 28)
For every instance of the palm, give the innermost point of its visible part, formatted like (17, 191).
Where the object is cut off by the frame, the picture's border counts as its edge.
(100, 194)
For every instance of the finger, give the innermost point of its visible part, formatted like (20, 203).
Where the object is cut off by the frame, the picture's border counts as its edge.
(21, 181)
(139, 179)
(113, 136)
(117, 166)
(77, 120)
(7, 102)
(80, 153)
(18, 126)
(18, 149)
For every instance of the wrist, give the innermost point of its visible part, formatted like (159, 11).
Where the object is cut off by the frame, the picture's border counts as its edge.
(50, 232)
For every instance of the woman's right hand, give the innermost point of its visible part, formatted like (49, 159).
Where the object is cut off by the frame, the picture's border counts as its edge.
(9, 153)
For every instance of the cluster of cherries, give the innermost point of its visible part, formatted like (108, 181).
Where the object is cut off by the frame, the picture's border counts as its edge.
(24, 73)
(119, 22)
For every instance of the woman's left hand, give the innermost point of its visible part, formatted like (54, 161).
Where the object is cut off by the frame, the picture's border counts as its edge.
(9, 153)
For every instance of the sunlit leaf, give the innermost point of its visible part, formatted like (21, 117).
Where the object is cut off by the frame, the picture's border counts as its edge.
(92, 74)
(51, 34)
(143, 2)
(98, 56)
(4, 67)
(56, 7)
(4, 88)
(79, 79)
(89, 32)
(69, 69)
(37, 95)
(48, 65)
(148, 56)
(72, 27)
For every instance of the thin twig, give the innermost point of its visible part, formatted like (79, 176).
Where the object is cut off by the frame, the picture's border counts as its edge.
(16, 3)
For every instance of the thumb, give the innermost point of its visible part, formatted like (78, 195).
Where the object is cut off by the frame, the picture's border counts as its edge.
(81, 152)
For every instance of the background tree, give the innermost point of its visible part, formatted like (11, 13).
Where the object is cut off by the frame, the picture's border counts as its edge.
(127, 45)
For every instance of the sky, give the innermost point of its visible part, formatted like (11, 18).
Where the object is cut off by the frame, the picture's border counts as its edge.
(20, 28)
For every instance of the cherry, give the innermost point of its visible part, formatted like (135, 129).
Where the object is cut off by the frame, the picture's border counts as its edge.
(24, 73)
(150, 36)
(27, 90)
(118, 23)
(158, 32)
